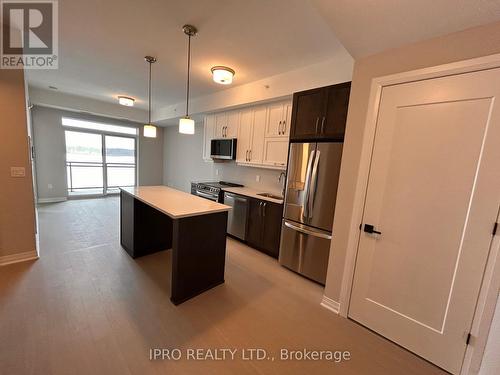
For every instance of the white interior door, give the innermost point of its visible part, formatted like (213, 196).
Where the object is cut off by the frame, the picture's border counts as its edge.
(433, 192)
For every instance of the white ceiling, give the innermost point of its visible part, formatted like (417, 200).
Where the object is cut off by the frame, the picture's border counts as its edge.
(102, 45)
(102, 42)
(370, 26)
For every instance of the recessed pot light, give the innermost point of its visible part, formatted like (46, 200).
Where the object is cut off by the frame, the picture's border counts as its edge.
(222, 75)
(126, 101)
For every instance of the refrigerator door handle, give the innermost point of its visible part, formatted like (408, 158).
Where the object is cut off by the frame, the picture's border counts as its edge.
(307, 185)
(313, 184)
(307, 231)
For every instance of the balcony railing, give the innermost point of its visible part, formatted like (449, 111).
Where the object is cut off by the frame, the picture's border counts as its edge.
(94, 176)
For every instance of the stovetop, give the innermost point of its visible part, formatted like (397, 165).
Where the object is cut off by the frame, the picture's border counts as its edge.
(219, 184)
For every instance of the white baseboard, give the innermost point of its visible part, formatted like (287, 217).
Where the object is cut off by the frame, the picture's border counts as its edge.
(51, 200)
(20, 257)
(330, 304)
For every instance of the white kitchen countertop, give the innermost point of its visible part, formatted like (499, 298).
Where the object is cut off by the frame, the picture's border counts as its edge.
(175, 203)
(248, 192)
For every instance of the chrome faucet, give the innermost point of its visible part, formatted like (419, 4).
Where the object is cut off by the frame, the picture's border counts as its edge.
(282, 176)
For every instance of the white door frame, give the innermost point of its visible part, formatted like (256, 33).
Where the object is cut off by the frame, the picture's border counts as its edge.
(491, 282)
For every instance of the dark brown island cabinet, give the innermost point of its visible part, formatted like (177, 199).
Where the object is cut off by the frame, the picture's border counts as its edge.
(321, 113)
(264, 226)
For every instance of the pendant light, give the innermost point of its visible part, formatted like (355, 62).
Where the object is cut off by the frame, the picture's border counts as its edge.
(186, 124)
(149, 129)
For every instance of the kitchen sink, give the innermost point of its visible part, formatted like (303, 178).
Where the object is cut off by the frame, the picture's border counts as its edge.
(269, 195)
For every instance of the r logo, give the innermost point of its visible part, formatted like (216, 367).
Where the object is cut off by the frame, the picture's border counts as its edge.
(29, 34)
(27, 28)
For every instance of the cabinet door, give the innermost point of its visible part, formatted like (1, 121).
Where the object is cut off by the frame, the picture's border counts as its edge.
(208, 135)
(254, 223)
(272, 214)
(220, 124)
(244, 144)
(287, 119)
(275, 152)
(259, 128)
(308, 110)
(274, 119)
(232, 124)
(336, 111)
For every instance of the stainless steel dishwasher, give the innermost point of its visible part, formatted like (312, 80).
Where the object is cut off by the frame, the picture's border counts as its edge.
(237, 216)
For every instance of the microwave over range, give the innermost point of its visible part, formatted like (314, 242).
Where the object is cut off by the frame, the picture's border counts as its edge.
(224, 149)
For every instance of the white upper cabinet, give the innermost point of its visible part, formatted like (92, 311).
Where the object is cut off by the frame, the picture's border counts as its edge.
(233, 123)
(275, 152)
(259, 127)
(250, 146)
(220, 124)
(244, 143)
(209, 134)
(261, 131)
(278, 119)
(227, 124)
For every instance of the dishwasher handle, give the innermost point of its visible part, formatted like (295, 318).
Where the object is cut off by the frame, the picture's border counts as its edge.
(235, 197)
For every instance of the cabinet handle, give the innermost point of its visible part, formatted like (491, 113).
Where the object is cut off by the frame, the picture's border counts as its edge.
(260, 208)
(284, 127)
(225, 134)
(317, 123)
(322, 124)
(250, 156)
(279, 128)
(246, 156)
(264, 209)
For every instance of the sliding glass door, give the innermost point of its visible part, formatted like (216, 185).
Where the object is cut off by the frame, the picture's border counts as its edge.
(120, 162)
(99, 164)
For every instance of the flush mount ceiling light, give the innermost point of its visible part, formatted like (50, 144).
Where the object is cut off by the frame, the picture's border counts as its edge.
(222, 75)
(149, 130)
(186, 123)
(126, 101)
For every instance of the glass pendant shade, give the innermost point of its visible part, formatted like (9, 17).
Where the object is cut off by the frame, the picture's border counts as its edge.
(149, 131)
(186, 125)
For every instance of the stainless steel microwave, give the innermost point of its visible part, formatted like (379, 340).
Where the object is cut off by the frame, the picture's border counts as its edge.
(224, 149)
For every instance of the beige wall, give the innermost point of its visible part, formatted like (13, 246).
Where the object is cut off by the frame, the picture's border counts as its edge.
(476, 42)
(17, 212)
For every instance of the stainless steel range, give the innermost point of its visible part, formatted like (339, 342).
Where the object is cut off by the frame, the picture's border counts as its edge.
(211, 190)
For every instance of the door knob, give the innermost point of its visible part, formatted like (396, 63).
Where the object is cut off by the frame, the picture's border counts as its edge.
(368, 228)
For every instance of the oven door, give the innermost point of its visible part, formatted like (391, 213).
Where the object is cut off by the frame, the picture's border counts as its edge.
(204, 194)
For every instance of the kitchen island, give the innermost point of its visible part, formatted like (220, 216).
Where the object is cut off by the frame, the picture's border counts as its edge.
(155, 218)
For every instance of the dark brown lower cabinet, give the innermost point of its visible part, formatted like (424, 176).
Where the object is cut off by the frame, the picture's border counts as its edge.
(264, 226)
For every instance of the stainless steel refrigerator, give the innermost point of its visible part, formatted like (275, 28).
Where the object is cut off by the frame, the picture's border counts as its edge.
(311, 191)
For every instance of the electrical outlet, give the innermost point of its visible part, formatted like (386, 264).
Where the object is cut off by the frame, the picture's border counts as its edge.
(257, 178)
(17, 172)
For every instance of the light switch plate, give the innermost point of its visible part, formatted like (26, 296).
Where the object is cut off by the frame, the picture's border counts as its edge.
(17, 172)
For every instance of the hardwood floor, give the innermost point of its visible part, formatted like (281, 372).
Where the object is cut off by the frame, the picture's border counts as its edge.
(86, 307)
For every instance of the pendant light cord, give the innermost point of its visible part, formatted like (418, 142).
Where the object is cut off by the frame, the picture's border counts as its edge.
(188, 70)
(149, 100)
